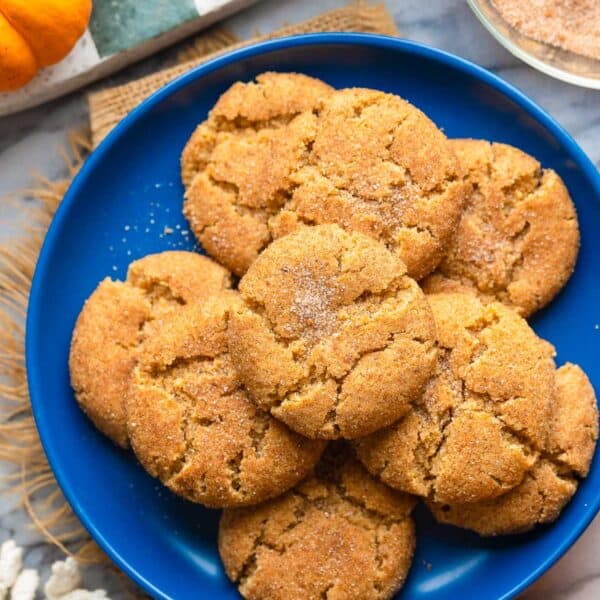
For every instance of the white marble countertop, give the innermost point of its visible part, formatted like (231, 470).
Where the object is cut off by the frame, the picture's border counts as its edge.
(29, 142)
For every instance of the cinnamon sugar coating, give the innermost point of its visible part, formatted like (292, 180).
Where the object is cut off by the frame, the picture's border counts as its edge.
(338, 534)
(518, 238)
(474, 433)
(363, 159)
(334, 338)
(114, 320)
(192, 425)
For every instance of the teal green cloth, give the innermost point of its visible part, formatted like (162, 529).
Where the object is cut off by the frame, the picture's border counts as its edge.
(117, 25)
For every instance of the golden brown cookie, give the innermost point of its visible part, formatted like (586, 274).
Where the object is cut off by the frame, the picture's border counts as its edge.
(549, 486)
(474, 433)
(246, 109)
(240, 160)
(363, 159)
(192, 425)
(338, 534)
(114, 319)
(518, 237)
(335, 339)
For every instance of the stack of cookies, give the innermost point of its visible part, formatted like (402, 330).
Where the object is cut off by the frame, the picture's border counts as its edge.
(359, 340)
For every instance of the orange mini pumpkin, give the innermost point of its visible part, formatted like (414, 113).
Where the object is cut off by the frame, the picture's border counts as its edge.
(35, 34)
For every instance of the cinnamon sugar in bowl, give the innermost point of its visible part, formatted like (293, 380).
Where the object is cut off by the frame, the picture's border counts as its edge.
(558, 37)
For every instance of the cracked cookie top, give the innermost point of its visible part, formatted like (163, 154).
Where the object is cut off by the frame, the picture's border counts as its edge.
(334, 338)
(518, 237)
(553, 480)
(363, 159)
(475, 432)
(338, 534)
(237, 164)
(114, 320)
(192, 425)
(245, 109)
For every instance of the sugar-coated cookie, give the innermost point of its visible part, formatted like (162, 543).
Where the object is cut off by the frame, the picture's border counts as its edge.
(476, 430)
(113, 321)
(236, 167)
(192, 425)
(553, 480)
(338, 534)
(334, 339)
(518, 238)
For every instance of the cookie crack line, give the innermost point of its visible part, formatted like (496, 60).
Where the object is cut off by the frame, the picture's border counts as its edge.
(154, 369)
(149, 287)
(305, 383)
(250, 563)
(331, 417)
(542, 494)
(516, 266)
(242, 210)
(443, 423)
(563, 470)
(377, 586)
(524, 440)
(423, 228)
(184, 398)
(324, 595)
(430, 478)
(234, 467)
(341, 492)
(439, 188)
(126, 347)
(502, 290)
(180, 463)
(243, 123)
(299, 514)
(519, 184)
(283, 195)
(258, 433)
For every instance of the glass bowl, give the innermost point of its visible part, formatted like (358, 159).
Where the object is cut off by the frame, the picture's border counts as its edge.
(556, 62)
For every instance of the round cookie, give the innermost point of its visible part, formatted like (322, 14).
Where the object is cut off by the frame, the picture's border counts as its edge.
(518, 237)
(552, 482)
(246, 109)
(114, 320)
(475, 432)
(381, 167)
(240, 160)
(192, 425)
(363, 159)
(335, 339)
(338, 534)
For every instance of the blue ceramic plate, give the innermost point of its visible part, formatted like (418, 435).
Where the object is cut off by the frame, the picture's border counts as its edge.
(116, 211)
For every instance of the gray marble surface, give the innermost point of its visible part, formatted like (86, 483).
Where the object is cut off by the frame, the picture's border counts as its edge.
(29, 142)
